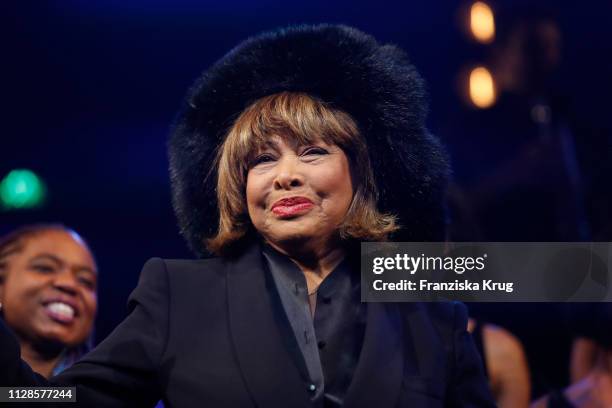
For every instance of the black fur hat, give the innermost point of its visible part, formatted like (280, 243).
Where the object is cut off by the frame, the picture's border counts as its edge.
(374, 83)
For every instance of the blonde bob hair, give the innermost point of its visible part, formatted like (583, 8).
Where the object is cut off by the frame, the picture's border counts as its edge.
(305, 119)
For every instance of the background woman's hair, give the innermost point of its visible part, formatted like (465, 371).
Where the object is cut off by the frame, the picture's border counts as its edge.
(305, 119)
(14, 241)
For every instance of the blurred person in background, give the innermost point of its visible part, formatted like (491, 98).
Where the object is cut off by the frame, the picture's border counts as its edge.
(519, 156)
(48, 279)
(505, 364)
(591, 365)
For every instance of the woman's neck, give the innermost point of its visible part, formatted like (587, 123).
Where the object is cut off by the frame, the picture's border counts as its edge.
(42, 363)
(316, 264)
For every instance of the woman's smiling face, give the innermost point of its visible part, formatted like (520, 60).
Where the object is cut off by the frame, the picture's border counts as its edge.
(298, 194)
(49, 289)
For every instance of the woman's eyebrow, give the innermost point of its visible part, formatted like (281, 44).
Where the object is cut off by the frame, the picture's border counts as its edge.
(58, 261)
(265, 147)
(271, 143)
(47, 256)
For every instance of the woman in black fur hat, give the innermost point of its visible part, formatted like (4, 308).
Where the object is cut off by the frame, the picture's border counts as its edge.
(290, 150)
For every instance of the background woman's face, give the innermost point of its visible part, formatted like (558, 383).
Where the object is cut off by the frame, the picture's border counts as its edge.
(298, 194)
(49, 291)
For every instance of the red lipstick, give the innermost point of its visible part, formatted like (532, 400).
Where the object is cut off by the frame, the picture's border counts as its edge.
(292, 206)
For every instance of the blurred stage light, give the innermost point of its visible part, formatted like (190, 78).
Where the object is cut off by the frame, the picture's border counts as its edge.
(21, 188)
(482, 88)
(482, 22)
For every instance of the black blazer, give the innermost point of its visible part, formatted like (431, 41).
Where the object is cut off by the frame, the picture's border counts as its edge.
(205, 334)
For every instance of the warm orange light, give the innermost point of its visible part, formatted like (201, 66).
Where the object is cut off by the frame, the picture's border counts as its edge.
(482, 88)
(482, 22)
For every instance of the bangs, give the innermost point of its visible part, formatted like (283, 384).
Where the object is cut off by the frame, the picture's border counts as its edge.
(297, 118)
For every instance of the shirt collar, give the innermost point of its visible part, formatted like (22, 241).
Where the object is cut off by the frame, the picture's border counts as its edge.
(291, 276)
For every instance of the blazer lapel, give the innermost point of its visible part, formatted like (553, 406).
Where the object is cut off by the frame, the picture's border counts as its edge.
(378, 377)
(269, 371)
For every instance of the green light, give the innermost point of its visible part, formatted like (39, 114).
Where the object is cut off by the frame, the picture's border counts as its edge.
(21, 188)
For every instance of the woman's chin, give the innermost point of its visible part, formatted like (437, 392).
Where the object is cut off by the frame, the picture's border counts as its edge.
(56, 333)
(294, 238)
(291, 238)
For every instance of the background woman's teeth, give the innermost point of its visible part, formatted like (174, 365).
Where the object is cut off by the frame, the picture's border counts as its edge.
(61, 309)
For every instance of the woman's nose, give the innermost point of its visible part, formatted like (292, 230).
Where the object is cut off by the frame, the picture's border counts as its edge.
(66, 282)
(288, 175)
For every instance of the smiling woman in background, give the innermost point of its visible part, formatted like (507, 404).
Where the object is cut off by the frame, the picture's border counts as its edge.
(48, 294)
(290, 150)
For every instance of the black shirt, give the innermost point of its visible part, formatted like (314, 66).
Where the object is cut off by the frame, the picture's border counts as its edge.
(330, 342)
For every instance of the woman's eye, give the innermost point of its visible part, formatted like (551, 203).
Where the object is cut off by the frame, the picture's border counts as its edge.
(88, 283)
(43, 268)
(314, 151)
(264, 158)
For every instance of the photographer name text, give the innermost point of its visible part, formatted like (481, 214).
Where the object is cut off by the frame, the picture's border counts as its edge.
(426, 285)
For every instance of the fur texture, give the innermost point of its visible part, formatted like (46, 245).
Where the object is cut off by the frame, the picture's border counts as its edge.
(375, 84)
